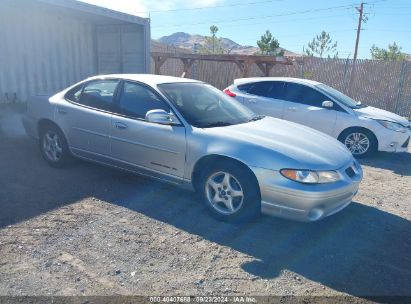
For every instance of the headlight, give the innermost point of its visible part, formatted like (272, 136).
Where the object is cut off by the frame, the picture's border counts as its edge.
(393, 126)
(311, 177)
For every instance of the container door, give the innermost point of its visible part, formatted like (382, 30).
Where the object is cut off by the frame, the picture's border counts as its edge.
(108, 49)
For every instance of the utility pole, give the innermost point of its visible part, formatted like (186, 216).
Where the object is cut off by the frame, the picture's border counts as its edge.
(361, 19)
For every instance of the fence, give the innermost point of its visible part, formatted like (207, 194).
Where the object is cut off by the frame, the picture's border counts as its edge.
(383, 84)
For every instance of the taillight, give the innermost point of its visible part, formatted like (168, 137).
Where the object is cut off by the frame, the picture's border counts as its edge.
(229, 93)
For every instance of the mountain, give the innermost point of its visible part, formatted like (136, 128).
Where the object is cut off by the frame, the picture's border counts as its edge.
(187, 41)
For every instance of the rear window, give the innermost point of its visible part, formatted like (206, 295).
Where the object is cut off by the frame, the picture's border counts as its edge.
(270, 89)
(75, 93)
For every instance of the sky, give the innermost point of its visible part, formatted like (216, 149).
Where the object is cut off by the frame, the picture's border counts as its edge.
(293, 22)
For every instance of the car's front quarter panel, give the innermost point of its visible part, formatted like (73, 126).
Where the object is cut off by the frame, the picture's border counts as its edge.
(279, 196)
(202, 143)
(389, 140)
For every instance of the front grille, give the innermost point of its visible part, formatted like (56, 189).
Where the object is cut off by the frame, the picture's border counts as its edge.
(407, 142)
(350, 172)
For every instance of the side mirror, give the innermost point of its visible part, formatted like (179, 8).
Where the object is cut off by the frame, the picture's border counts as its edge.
(161, 117)
(328, 104)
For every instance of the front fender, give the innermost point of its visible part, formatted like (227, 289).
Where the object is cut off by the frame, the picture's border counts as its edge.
(200, 144)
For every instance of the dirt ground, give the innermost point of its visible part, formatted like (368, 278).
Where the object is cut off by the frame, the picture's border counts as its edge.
(91, 230)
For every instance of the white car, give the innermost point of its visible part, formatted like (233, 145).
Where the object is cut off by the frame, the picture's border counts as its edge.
(363, 129)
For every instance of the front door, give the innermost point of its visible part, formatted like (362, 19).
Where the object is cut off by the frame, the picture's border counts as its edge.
(137, 142)
(303, 105)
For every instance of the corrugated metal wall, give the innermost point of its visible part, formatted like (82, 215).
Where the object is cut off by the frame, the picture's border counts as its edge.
(43, 51)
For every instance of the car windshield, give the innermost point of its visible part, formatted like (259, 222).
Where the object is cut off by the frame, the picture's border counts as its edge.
(341, 97)
(204, 106)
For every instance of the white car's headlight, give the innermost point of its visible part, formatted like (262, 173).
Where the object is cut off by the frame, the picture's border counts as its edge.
(311, 177)
(393, 126)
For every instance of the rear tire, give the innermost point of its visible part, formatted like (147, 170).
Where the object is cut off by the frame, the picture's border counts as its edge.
(360, 142)
(230, 192)
(53, 146)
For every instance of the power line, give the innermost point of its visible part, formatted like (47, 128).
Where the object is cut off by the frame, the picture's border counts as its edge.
(262, 17)
(211, 7)
(310, 33)
(386, 30)
(276, 22)
(229, 5)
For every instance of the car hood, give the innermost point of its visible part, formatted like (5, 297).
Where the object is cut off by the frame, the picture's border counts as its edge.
(296, 144)
(375, 113)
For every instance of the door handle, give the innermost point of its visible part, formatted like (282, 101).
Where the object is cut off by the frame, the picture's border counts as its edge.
(61, 111)
(252, 100)
(292, 109)
(120, 125)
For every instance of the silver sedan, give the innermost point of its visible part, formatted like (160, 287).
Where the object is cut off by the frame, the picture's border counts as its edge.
(190, 134)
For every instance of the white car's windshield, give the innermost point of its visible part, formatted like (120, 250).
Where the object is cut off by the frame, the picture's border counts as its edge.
(204, 106)
(341, 97)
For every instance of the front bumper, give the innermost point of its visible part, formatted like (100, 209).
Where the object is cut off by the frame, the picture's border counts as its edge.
(391, 141)
(302, 202)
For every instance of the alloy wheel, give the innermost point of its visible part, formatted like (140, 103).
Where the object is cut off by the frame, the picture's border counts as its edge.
(224, 193)
(357, 143)
(52, 146)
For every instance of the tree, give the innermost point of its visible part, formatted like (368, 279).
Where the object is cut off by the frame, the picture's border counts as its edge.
(269, 45)
(213, 30)
(392, 53)
(322, 45)
(212, 44)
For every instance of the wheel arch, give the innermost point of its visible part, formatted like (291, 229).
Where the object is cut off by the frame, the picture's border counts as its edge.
(207, 160)
(356, 128)
(45, 122)
(346, 130)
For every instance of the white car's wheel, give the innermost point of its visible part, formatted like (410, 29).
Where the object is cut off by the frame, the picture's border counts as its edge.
(360, 142)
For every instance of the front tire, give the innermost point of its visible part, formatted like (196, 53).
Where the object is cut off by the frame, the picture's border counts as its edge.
(53, 146)
(230, 192)
(360, 142)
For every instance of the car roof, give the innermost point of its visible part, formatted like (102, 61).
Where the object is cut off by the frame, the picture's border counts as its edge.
(285, 79)
(149, 79)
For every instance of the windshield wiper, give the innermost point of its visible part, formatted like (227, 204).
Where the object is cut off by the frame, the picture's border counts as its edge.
(216, 124)
(257, 117)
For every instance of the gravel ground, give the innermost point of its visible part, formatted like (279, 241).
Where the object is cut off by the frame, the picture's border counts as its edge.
(91, 230)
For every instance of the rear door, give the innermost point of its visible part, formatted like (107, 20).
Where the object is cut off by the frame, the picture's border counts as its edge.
(136, 142)
(303, 105)
(266, 97)
(86, 117)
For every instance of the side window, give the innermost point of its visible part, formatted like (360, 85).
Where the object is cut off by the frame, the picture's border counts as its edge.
(99, 94)
(261, 89)
(136, 100)
(314, 98)
(277, 90)
(302, 94)
(245, 87)
(74, 94)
